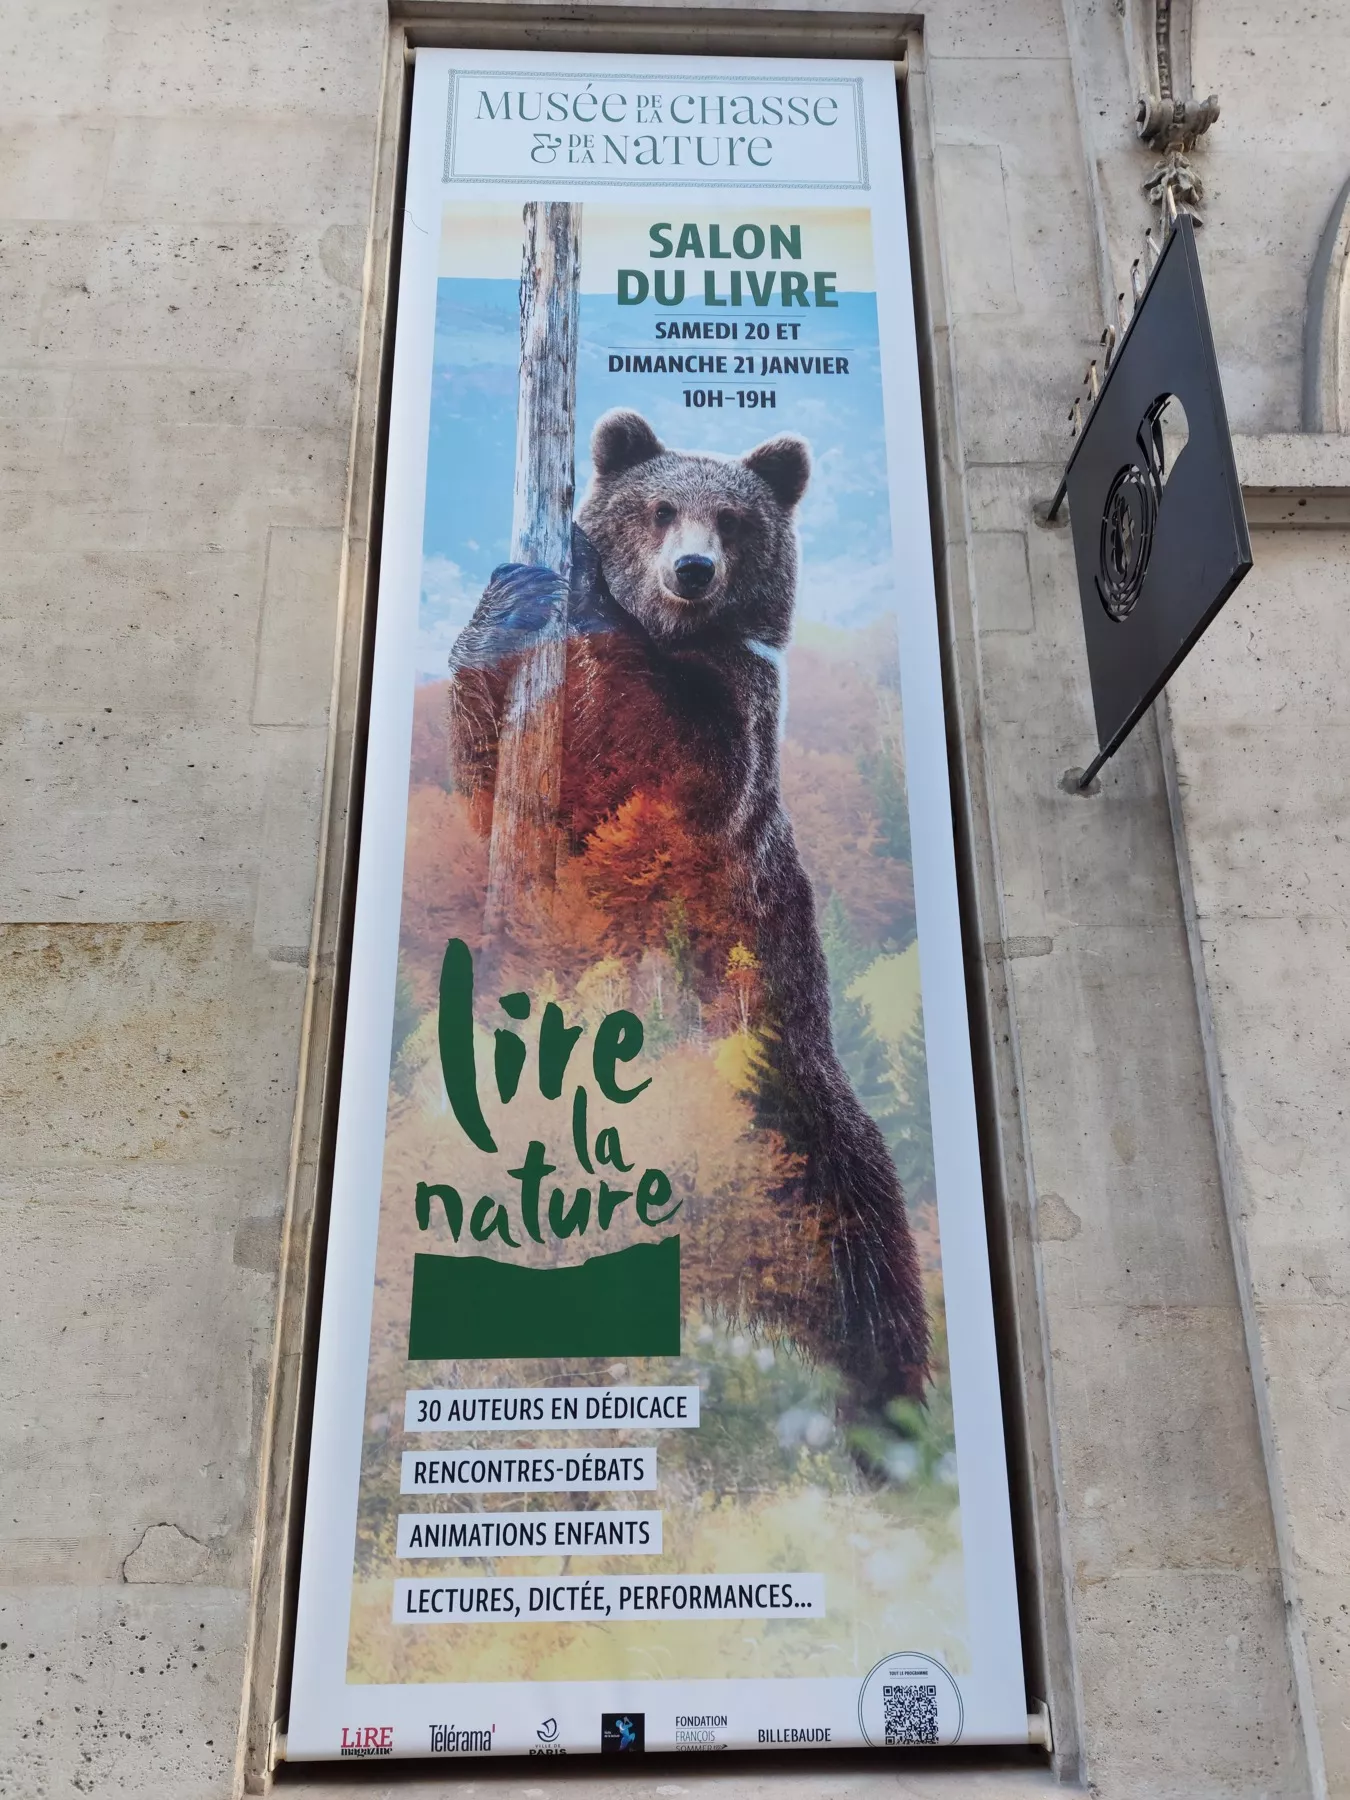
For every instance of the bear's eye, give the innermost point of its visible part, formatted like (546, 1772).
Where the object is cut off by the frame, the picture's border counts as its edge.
(728, 524)
(664, 513)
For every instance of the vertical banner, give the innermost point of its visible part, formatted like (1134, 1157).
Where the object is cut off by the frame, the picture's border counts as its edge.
(657, 1404)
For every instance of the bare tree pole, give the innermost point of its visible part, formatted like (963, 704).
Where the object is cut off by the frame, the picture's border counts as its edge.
(523, 848)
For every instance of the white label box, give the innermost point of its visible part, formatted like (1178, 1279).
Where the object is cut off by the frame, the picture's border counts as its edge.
(528, 1471)
(550, 1408)
(521, 1598)
(529, 1534)
(705, 129)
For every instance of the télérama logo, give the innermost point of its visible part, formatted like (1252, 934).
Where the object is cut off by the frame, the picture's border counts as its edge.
(461, 1740)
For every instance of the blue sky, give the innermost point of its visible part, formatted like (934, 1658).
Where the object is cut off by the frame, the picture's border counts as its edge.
(847, 571)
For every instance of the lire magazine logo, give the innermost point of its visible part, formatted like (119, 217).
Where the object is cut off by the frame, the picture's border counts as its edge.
(367, 1740)
(622, 1732)
(548, 1745)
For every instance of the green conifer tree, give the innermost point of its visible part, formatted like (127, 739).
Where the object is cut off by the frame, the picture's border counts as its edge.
(406, 1017)
(859, 1048)
(912, 1146)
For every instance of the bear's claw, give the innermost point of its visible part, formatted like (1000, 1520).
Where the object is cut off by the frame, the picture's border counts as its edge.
(518, 602)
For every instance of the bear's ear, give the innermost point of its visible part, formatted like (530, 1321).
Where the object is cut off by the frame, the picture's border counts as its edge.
(622, 440)
(784, 463)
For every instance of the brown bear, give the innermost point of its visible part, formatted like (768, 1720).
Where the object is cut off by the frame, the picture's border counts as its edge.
(680, 603)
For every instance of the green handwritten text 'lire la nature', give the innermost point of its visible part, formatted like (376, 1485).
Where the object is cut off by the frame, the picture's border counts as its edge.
(618, 1040)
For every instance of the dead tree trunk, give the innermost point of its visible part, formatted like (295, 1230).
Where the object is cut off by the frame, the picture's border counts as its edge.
(523, 849)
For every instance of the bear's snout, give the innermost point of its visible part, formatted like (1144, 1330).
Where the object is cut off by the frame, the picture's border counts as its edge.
(694, 575)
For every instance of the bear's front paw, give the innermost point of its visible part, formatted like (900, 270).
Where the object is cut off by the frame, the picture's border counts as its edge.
(522, 596)
(518, 602)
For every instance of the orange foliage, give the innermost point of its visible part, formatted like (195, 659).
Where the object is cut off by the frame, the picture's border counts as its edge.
(833, 704)
(431, 735)
(557, 930)
(834, 819)
(646, 873)
(444, 885)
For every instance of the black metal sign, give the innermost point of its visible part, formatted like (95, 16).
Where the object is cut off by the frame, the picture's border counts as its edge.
(1159, 532)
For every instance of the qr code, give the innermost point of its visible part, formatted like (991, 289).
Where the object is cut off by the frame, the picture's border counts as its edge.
(910, 1714)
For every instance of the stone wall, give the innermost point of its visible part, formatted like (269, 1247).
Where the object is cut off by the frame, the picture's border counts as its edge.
(185, 192)
(1175, 1669)
(1262, 792)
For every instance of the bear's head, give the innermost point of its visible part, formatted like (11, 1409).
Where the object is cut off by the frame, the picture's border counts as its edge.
(694, 544)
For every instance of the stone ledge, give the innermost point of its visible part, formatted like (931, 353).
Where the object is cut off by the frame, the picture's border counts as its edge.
(964, 1775)
(1294, 479)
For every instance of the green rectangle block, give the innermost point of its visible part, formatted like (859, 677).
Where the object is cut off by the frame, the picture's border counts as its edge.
(623, 1304)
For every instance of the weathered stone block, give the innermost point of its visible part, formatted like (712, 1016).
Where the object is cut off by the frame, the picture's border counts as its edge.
(299, 625)
(1002, 581)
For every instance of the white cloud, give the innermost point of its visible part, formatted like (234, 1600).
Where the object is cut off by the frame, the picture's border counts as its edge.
(845, 590)
(448, 602)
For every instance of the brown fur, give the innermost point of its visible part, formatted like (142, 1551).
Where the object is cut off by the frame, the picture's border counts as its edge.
(676, 695)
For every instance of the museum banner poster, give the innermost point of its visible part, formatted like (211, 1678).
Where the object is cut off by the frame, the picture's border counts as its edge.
(657, 1403)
